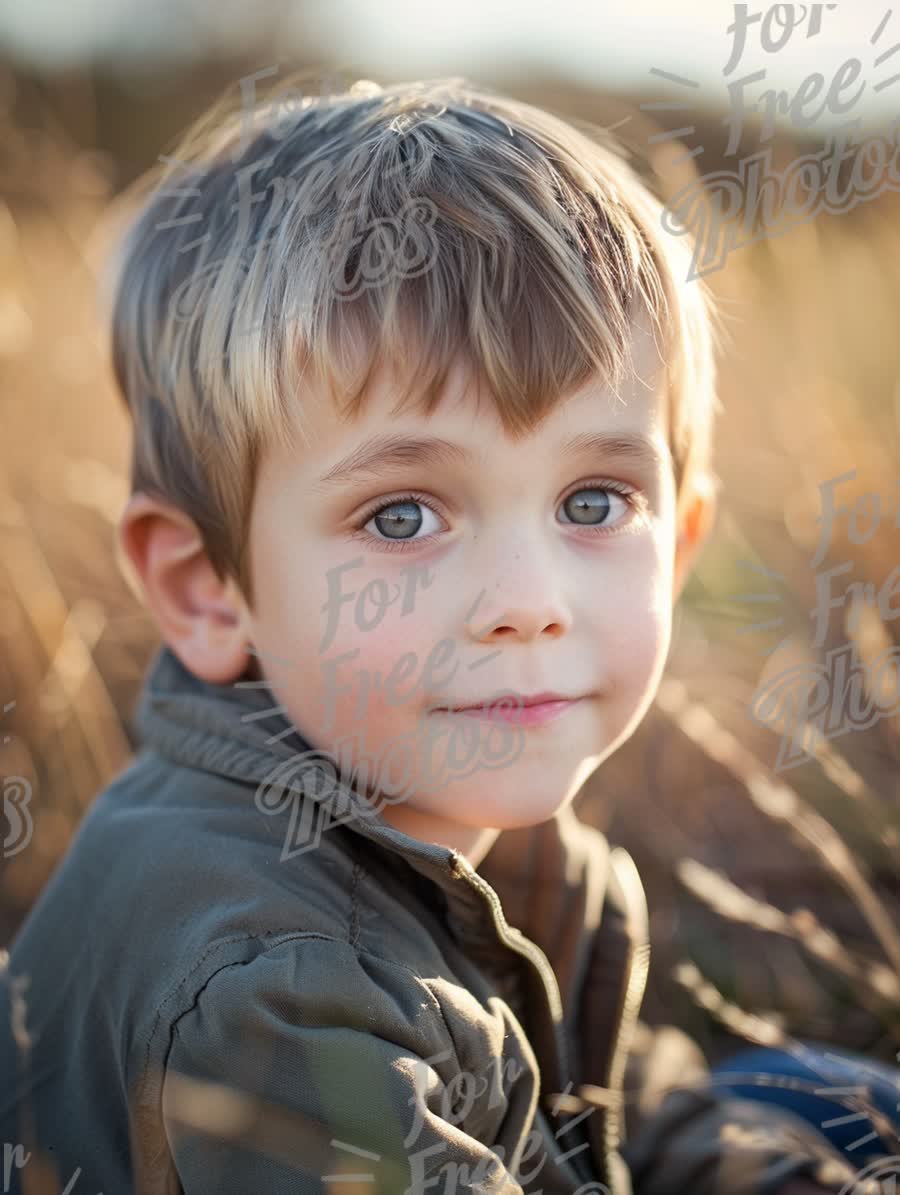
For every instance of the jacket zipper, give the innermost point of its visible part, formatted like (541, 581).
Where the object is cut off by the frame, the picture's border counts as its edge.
(516, 941)
(632, 997)
(633, 989)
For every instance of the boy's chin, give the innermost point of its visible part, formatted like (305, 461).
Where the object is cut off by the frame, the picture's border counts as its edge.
(498, 806)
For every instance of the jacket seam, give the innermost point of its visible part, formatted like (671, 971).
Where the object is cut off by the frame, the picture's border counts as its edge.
(436, 1167)
(176, 988)
(353, 931)
(286, 936)
(359, 874)
(289, 936)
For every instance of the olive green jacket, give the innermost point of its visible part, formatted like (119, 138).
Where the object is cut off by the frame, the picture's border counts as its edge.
(241, 979)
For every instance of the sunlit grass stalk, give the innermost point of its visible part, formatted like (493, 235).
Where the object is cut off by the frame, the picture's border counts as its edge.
(779, 802)
(876, 985)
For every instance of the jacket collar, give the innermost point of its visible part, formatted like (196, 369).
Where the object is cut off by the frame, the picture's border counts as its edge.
(238, 731)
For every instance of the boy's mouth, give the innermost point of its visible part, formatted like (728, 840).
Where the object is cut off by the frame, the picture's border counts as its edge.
(535, 710)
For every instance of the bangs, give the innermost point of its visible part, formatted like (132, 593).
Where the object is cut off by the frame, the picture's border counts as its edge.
(534, 288)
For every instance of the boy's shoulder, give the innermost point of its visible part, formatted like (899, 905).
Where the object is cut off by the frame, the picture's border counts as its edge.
(173, 866)
(174, 938)
(173, 916)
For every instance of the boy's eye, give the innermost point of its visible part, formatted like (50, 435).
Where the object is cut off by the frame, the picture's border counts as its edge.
(590, 505)
(400, 519)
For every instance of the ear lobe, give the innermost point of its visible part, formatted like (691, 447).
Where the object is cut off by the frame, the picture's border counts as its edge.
(200, 616)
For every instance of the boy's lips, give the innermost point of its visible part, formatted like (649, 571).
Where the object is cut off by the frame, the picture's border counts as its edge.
(534, 699)
(534, 710)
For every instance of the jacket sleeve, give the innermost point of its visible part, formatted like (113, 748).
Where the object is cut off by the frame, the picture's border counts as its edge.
(314, 1063)
(683, 1134)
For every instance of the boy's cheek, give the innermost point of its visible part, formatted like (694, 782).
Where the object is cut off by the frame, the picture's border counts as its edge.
(343, 696)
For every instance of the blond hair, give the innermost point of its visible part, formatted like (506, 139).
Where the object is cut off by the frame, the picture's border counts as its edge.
(402, 225)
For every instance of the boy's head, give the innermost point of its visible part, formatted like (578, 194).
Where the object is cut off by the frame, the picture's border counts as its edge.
(318, 282)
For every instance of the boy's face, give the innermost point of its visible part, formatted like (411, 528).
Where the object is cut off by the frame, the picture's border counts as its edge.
(519, 566)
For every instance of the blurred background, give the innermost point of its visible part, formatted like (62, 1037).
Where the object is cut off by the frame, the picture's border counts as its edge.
(773, 890)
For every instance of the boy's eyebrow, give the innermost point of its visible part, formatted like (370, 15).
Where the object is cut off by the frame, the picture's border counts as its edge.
(392, 450)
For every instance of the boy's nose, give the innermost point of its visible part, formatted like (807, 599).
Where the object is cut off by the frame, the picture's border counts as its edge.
(523, 621)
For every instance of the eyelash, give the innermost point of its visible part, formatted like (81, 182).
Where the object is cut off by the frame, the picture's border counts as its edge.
(633, 498)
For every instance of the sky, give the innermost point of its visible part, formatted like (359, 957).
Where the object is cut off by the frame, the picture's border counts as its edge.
(598, 43)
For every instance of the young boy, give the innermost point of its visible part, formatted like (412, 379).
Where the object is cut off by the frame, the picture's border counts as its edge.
(337, 928)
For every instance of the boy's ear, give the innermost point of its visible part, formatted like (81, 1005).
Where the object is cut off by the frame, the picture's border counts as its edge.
(202, 618)
(693, 530)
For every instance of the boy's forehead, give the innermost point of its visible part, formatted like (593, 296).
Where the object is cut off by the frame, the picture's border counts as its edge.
(466, 412)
